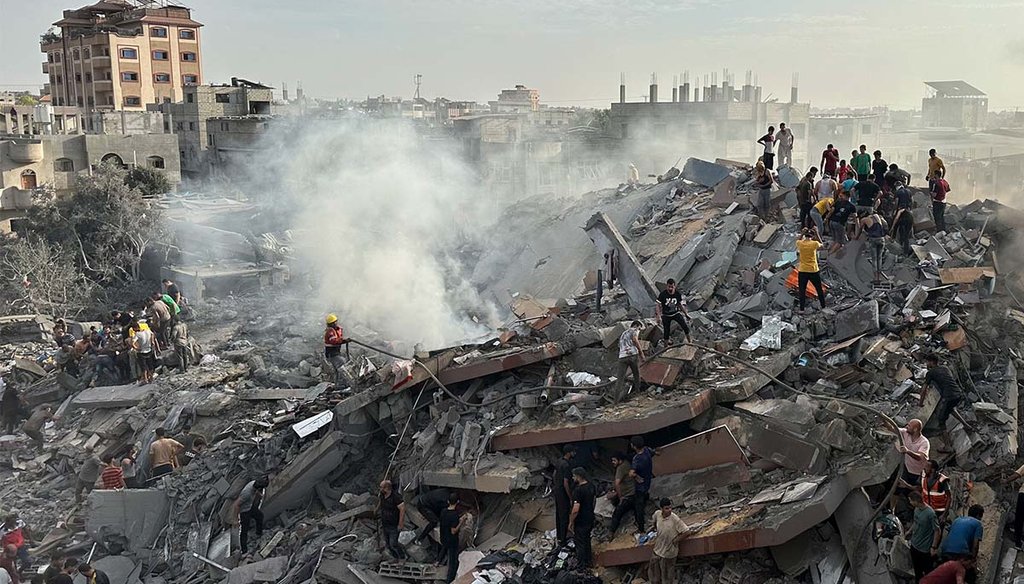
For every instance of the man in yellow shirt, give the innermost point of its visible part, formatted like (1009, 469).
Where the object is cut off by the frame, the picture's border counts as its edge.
(807, 268)
(821, 209)
(936, 168)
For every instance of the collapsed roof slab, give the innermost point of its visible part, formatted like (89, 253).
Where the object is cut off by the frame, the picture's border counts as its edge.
(292, 486)
(645, 413)
(505, 360)
(704, 173)
(713, 447)
(139, 515)
(493, 474)
(739, 383)
(112, 396)
(632, 277)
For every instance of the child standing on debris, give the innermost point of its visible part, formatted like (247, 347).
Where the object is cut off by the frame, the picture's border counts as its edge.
(630, 355)
(807, 267)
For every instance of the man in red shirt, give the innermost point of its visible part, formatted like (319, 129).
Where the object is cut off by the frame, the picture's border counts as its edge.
(951, 572)
(829, 160)
(112, 476)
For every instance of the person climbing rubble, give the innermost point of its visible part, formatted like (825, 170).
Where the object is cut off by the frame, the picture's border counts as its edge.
(33, 427)
(624, 495)
(334, 340)
(247, 510)
(391, 510)
(915, 449)
(951, 394)
(935, 489)
(630, 356)
(10, 407)
(430, 504)
(163, 453)
(671, 532)
(88, 474)
(671, 308)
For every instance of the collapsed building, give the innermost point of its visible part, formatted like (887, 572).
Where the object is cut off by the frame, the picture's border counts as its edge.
(775, 429)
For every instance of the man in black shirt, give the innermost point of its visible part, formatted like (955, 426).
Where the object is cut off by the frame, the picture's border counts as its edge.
(430, 504)
(841, 213)
(879, 167)
(450, 526)
(942, 379)
(55, 567)
(92, 575)
(867, 192)
(392, 519)
(581, 521)
(670, 303)
(561, 488)
(805, 197)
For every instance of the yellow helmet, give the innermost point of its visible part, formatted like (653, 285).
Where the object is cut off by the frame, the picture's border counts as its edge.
(332, 318)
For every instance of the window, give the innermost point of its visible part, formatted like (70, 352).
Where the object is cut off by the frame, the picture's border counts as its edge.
(129, 76)
(190, 98)
(161, 55)
(78, 77)
(105, 51)
(60, 79)
(225, 127)
(49, 57)
(209, 140)
(129, 53)
(188, 57)
(79, 100)
(222, 98)
(88, 77)
(187, 34)
(57, 57)
(158, 32)
(74, 54)
(190, 80)
(192, 126)
(180, 125)
(112, 158)
(132, 100)
(107, 76)
(86, 54)
(161, 78)
(154, 162)
(64, 165)
(91, 101)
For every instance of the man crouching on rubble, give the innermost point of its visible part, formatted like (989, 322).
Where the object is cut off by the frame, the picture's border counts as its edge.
(334, 340)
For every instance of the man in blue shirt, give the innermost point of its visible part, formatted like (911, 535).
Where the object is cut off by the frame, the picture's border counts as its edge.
(642, 471)
(964, 535)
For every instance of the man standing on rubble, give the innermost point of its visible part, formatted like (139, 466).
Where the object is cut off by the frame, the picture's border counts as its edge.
(875, 229)
(805, 196)
(861, 162)
(841, 213)
(785, 140)
(162, 454)
(10, 407)
(808, 271)
(88, 474)
(561, 488)
(179, 341)
(334, 340)
(924, 535)
(581, 519)
(768, 141)
(451, 525)
(938, 187)
(248, 509)
(145, 347)
(671, 308)
(915, 449)
(642, 472)
(160, 321)
(392, 519)
(625, 495)
(630, 355)
(829, 160)
(936, 168)
(943, 380)
(671, 532)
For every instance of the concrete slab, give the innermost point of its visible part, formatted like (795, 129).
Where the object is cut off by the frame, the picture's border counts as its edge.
(798, 415)
(270, 394)
(853, 517)
(295, 483)
(725, 193)
(269, 570)
(737, 384)
(498, 361)
(858, 320)
(713, 447)
(495, 473)
(853, 266)
(120, 569)
(632, 277)
(701, 281)
(704, 173)
(766, 234)
(137, 515)
(113, 396)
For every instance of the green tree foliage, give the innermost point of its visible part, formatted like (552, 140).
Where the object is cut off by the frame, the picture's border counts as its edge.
(27, 100)
(149, 181)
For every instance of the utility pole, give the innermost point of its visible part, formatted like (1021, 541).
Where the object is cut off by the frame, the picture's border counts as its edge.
(417, 79)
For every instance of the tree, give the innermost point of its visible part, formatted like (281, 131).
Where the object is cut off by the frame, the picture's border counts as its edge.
(27, 100)
(43, 278)
(149, 181)
(50, 36)
(106, 223)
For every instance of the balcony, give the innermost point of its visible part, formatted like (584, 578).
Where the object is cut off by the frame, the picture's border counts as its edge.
(100, 60)
(25, 151)
(103, 85)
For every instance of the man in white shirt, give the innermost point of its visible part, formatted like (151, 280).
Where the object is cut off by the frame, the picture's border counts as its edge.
(144, 345)
(671, 531)
(785, 141)
(630, 355)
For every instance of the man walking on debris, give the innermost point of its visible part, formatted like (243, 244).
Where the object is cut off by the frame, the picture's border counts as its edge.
(581, 519)
(943, 380)
(630, 355)
(392, 519)
(875, 229)
(162, 454)
(915, 449)
(938, 187)
(763, 180)
(430, 504)
(924, 535)
(33, 427)
(145, 347)
(867, 196)
(671, 532)
(879, 167)
(179, 341)
(807, 266)
(248, 509)
(903, 227)
(334, 340)
(805, 196)
(450, 527)
(768, 141)
(785, 140)
(625, 495)
(561, 488)
(671, 308)
(88, 474)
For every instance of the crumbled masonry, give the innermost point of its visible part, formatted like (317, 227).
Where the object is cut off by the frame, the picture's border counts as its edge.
(781, 485)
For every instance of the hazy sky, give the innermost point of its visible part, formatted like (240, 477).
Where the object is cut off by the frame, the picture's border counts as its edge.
(859, 53)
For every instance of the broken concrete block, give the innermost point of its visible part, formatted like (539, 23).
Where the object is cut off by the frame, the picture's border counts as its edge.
(704, 173)
(860, 319)
(269, 570)
(799, 415)
(725, 193)
(788, 176)
(470, 440)
(495, 473)
(293, 485)
(557, 329)
(137, 515)
(112, 396)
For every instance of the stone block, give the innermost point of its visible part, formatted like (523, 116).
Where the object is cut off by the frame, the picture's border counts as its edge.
(137, 515)
(860, 319)
(704, 173)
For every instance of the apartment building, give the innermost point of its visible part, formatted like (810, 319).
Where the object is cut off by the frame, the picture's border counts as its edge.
(121, 54)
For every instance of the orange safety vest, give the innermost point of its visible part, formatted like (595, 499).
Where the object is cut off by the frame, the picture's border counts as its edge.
(933, 497)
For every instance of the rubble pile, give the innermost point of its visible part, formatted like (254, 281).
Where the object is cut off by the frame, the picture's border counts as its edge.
(771, 426)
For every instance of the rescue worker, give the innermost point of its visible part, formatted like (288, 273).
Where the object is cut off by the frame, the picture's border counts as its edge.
(334, 339)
